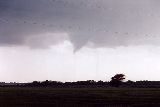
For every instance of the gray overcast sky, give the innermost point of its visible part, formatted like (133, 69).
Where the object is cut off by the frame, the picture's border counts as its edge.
(70, 40)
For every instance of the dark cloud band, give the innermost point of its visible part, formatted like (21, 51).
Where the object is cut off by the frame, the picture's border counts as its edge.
(96, 23)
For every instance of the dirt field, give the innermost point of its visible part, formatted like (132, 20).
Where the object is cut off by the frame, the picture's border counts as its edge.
(79, 97)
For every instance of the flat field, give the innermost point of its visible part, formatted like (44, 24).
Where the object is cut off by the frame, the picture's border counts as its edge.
(79, 97)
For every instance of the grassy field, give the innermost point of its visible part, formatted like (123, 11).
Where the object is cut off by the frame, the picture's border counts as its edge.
(79, 97)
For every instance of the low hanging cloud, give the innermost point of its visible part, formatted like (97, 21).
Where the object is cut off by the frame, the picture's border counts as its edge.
(93, 23)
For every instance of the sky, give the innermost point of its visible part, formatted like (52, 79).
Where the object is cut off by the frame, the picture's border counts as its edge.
(75, 40)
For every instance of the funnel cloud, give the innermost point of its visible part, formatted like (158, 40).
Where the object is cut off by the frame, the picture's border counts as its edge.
(92, 23)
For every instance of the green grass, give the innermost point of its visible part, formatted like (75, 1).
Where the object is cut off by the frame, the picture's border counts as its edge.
(79, 97)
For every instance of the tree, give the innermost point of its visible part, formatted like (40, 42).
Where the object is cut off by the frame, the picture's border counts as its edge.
(117, 80)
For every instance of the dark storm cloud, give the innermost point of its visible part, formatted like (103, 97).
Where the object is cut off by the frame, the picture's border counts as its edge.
(96, 23)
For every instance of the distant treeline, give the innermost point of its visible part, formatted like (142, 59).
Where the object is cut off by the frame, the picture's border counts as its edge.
(83, 84)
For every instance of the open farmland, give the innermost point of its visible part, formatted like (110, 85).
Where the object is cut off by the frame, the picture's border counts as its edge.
(79, 97)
